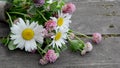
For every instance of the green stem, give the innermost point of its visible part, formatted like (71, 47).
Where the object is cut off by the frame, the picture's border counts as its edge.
(80, 49)
(82, 35)
(42, 15)
(40, 53)
(46, 47)
(20, 14)
(41, 49)
(79, 39)
(11, 22)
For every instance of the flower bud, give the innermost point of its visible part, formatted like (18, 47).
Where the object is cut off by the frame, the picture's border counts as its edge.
(69, 8)
(88, 47)
(43, 61)
(97, 37)
(39, 2)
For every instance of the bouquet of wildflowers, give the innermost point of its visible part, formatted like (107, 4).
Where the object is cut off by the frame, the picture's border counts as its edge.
(43, 26)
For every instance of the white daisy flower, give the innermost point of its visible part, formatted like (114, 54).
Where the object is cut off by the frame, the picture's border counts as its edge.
(59, 39)
(25, 35)
(62, 21)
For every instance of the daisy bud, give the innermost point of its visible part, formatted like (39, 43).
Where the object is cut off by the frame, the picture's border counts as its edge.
(97, 37)
(83, 52)
(69, 8)
(88, 47)
(43, 61)
(50, 25)
(39, 2)
(72, 35)
(51, 56)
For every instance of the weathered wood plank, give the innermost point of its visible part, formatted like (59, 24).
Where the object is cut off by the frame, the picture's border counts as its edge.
(90, 0)
(90, 17)
(104, 55)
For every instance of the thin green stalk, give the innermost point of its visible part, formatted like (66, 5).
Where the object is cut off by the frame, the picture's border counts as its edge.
(79, 39)
(20, 14)
(46, 47)
(82, 35)
(40, 53)
(11, 22)
(42, 15)
(41, 49)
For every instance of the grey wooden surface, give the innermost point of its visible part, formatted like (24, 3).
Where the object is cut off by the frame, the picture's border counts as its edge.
(89, 17)
(93, 17)
(3, 7)
(104, 55)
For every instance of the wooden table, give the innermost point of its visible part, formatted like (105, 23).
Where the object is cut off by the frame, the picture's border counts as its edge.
(90, 17)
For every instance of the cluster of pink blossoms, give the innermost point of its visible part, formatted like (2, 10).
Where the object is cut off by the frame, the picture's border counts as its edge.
(50, 56)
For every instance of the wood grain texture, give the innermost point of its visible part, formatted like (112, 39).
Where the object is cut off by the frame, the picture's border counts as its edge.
(93, 17)
(89, 17)
(104, 55)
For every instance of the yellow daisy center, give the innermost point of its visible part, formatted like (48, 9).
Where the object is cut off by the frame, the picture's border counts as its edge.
(60, 21)
(28, 34)
(58, 36)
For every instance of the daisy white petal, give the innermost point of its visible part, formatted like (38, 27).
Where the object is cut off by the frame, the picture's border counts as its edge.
(25, 35)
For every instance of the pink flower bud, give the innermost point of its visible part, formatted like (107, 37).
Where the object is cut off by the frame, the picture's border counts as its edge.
(39, 2)
(88, 47)
(69, 8)
(50, 25)
(45, 32)
(43, 61)
(51, 56)
(72, 35)
(97, 37)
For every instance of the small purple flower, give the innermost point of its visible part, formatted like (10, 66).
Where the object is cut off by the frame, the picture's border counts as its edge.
(97, 37)
(39, 2)
(69, 8)
(51, 56)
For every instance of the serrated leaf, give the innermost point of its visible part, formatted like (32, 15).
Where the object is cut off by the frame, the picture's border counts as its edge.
(11, 46)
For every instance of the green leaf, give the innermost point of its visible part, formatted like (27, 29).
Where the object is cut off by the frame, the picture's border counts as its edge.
(76, 45)
(5, 41)
(32, 10)
(53, 6)
(11, 46)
